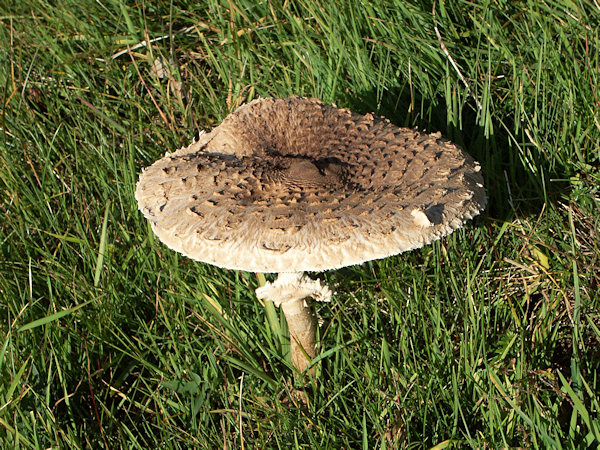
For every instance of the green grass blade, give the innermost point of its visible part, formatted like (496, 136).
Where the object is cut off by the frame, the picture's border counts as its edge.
(53, 317)
(102, 247)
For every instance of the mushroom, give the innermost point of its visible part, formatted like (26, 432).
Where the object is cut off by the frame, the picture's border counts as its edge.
(293, 185)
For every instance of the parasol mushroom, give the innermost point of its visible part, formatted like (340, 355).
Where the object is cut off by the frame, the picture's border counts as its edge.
(293, 185)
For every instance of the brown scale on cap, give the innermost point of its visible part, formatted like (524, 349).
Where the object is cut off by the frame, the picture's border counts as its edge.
(296, 185)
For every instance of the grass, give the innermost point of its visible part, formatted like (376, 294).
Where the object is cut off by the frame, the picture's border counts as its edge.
(487, 338)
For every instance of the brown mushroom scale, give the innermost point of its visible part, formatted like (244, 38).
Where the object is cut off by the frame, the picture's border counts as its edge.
(285, 185)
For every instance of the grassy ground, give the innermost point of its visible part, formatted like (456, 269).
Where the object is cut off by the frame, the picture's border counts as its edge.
(488, 338)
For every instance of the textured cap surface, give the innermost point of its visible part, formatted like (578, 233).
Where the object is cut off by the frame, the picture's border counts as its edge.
(293, 184)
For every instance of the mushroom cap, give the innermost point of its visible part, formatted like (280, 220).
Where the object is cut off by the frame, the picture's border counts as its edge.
(286, 185)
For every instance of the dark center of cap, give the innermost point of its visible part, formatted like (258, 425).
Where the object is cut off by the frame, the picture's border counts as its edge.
(307, 173)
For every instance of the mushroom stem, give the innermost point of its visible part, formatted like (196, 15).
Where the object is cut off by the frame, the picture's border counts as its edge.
(290, 291)
(303, 332)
